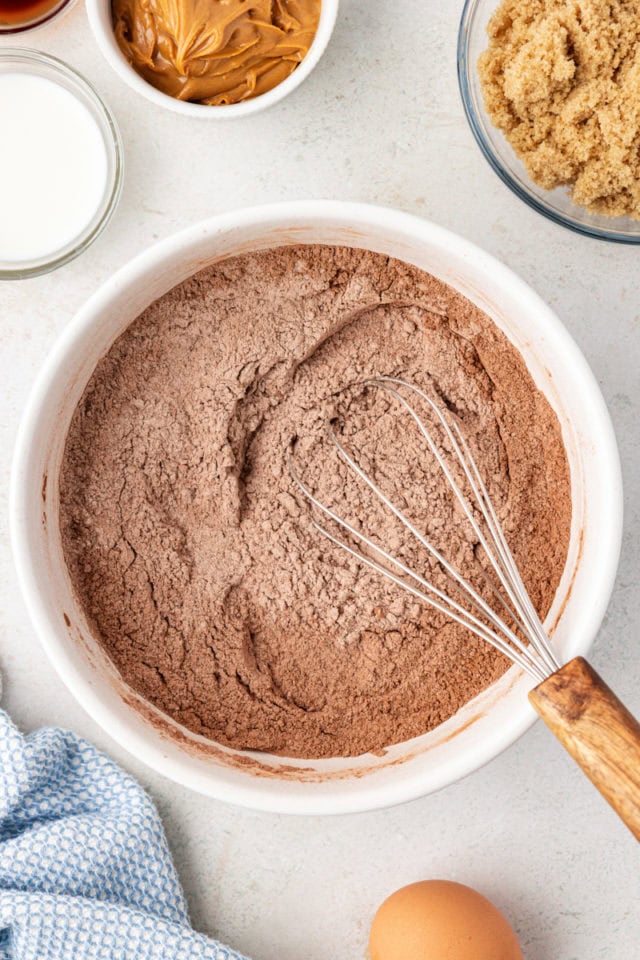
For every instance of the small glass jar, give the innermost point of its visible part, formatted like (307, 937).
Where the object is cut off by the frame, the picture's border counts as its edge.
(16, 16)
(34, 63)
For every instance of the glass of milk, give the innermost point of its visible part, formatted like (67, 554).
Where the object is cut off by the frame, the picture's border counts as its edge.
(61, 164)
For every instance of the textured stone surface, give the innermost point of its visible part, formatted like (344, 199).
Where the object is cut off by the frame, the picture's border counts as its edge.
(379, 120)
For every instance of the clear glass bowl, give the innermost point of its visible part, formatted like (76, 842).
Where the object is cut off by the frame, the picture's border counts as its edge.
(554, 204)
(42, 65)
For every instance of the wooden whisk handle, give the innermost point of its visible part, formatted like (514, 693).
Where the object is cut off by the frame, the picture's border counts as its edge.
(599, 733)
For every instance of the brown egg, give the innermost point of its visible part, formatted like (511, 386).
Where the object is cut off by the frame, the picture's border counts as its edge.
(440, 920)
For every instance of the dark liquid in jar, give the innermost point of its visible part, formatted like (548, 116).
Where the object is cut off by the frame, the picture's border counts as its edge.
(15, 14)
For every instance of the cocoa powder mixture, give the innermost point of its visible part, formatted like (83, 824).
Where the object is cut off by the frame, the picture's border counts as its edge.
(191, 551)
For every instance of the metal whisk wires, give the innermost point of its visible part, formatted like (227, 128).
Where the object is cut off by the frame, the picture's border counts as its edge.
(525, 641)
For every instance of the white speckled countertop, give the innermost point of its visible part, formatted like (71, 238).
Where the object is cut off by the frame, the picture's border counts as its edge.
(379, 120)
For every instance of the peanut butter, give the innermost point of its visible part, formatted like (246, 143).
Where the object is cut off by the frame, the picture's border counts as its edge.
(215, 51)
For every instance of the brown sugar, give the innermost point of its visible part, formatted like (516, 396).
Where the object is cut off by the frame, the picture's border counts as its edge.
(561, 79)
(192, 552)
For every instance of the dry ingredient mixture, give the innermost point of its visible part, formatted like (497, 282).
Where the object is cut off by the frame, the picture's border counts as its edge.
(191, 551)
(215, 51)
(561, 79)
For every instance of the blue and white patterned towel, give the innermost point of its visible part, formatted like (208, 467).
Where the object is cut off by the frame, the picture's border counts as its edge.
(85, 871)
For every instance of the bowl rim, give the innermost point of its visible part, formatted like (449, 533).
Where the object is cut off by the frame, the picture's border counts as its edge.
(464, 66)
(254, 792)
(99, 14)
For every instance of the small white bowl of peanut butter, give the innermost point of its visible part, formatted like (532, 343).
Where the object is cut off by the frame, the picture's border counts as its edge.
(213, 58)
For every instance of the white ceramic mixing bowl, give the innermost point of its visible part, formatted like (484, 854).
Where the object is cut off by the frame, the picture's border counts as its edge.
(486, 725)
(100, 20)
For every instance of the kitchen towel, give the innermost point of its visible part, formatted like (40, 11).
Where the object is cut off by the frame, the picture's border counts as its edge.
(85, 871)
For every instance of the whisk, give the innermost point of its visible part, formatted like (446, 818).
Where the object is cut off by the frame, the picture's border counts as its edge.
(575, 703)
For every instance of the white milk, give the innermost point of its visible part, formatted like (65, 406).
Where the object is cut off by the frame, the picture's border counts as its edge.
(53, 167)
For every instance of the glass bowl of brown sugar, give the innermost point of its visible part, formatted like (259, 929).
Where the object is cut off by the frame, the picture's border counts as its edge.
(541, 61)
